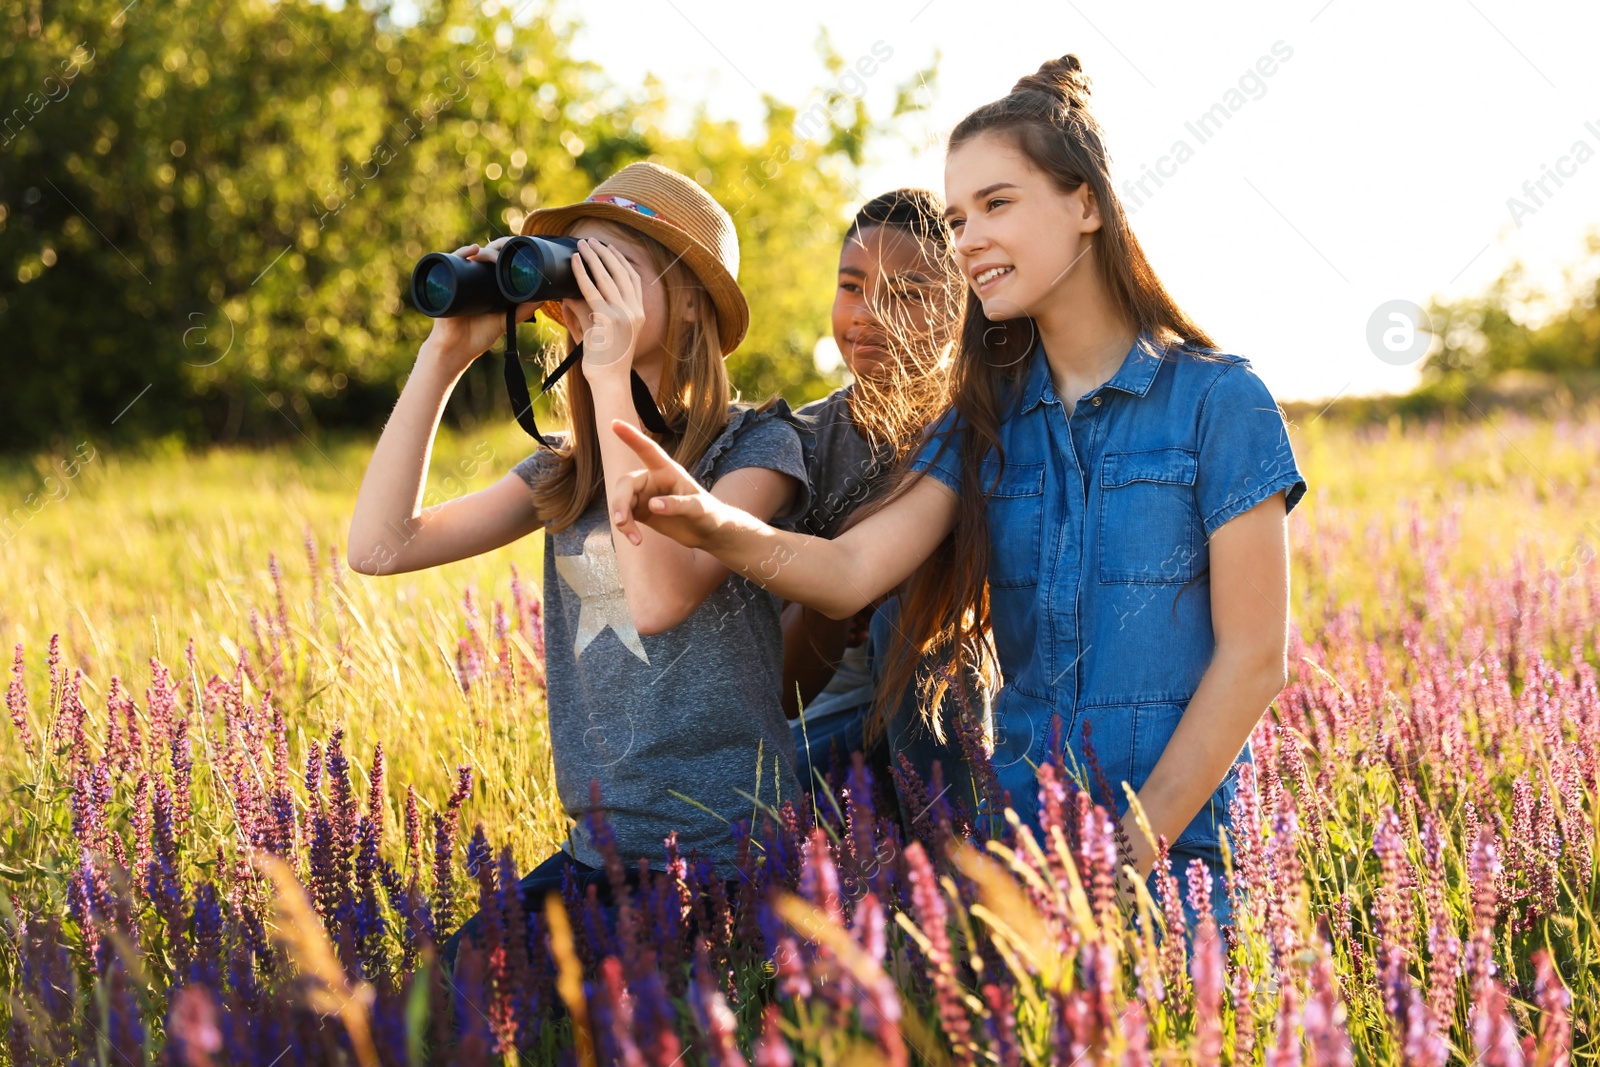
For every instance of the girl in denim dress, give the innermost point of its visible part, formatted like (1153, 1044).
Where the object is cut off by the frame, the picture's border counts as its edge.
(1105, 502)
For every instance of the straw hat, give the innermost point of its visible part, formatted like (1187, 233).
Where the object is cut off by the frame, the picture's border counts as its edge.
(676, 211)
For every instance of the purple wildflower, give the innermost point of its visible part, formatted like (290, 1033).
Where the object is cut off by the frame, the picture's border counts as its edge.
(929, 908)
(1483, 867)
(316, 576)
(126, 1031)
(502, 645)
(281, 628)
(522, 1000)
(468, 665)
(206, 968)
(70, 719)
(1099, 781)
(369, 921)
(17, 703)
(314, 771)
(1136, 1031)
(1287, 1051)
(529, 622)
(342, 792)
(1444, 943)
(1244, 1015)
(413, 828)
(1173, 962)
(182, 774)
(1554, 1044)
(1494, 1033)
(375, 804)
(975, 748)
(1207, 973)
(473, 1045)
(1325, 1018)
(444, 839)
(1002, 1024)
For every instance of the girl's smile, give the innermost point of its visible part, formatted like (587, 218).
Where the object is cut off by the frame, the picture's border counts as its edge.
(984, 276)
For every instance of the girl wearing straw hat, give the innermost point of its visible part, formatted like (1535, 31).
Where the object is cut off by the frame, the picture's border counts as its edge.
(663, 667)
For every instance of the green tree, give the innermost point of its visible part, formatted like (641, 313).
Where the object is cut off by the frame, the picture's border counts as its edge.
(1490, 333)
(209, 212)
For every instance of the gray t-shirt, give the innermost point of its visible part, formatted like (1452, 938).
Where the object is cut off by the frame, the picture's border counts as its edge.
(846, 471)
(686, 710)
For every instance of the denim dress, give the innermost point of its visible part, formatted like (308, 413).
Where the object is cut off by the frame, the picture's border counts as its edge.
(1097, 521)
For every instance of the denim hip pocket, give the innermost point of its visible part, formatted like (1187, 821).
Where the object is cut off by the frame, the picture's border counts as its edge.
(1016, 520)
(1153, 726)
(1149, 524)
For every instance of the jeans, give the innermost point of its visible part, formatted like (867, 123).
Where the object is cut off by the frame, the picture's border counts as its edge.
(536, 885)
(545, 879)
(1221, 906)
(824, 747)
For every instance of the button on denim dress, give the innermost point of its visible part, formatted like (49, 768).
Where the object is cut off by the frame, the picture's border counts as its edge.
(1099, 523)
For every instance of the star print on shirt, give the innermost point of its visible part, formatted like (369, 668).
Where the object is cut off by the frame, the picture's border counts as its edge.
(593, 576)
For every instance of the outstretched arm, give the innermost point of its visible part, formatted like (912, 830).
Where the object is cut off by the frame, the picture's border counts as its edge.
(837, 577)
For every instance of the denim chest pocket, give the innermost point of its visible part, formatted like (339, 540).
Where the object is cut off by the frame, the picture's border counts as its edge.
(1016, 520)
(1149, 524)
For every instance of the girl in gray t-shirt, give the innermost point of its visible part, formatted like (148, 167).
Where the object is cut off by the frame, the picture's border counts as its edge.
(684, 713)
(663, 665)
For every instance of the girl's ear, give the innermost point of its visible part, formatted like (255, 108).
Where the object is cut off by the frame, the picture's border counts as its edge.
(1091, 208)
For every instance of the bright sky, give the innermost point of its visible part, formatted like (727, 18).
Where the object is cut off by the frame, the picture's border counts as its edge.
(1373, 164)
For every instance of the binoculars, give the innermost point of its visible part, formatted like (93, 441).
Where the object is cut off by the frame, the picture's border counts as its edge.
(528, 269)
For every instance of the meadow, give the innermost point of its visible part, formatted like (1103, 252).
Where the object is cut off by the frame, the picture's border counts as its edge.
(251, 789)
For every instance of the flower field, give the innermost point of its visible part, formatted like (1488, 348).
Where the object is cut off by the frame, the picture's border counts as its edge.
(250, 793)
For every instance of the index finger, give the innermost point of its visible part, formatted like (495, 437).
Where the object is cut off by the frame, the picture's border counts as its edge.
(654, 456)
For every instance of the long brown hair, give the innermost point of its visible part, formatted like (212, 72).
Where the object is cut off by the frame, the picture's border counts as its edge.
(944, 605)
(693, 393)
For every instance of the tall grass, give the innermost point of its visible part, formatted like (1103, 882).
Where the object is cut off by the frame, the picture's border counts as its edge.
(200, 687)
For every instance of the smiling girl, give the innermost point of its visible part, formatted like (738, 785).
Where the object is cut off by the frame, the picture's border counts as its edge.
(1115, 488)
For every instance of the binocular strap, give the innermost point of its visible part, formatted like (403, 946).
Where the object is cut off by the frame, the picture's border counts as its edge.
(522, 404)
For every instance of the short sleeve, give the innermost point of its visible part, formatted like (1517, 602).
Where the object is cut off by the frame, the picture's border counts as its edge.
(1245, 453)
(944, 465)
(774, 438)
(537, 466)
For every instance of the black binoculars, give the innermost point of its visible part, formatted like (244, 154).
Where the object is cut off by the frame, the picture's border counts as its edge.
(528, 269)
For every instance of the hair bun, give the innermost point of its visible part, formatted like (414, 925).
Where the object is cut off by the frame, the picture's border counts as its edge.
(1061, 78)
